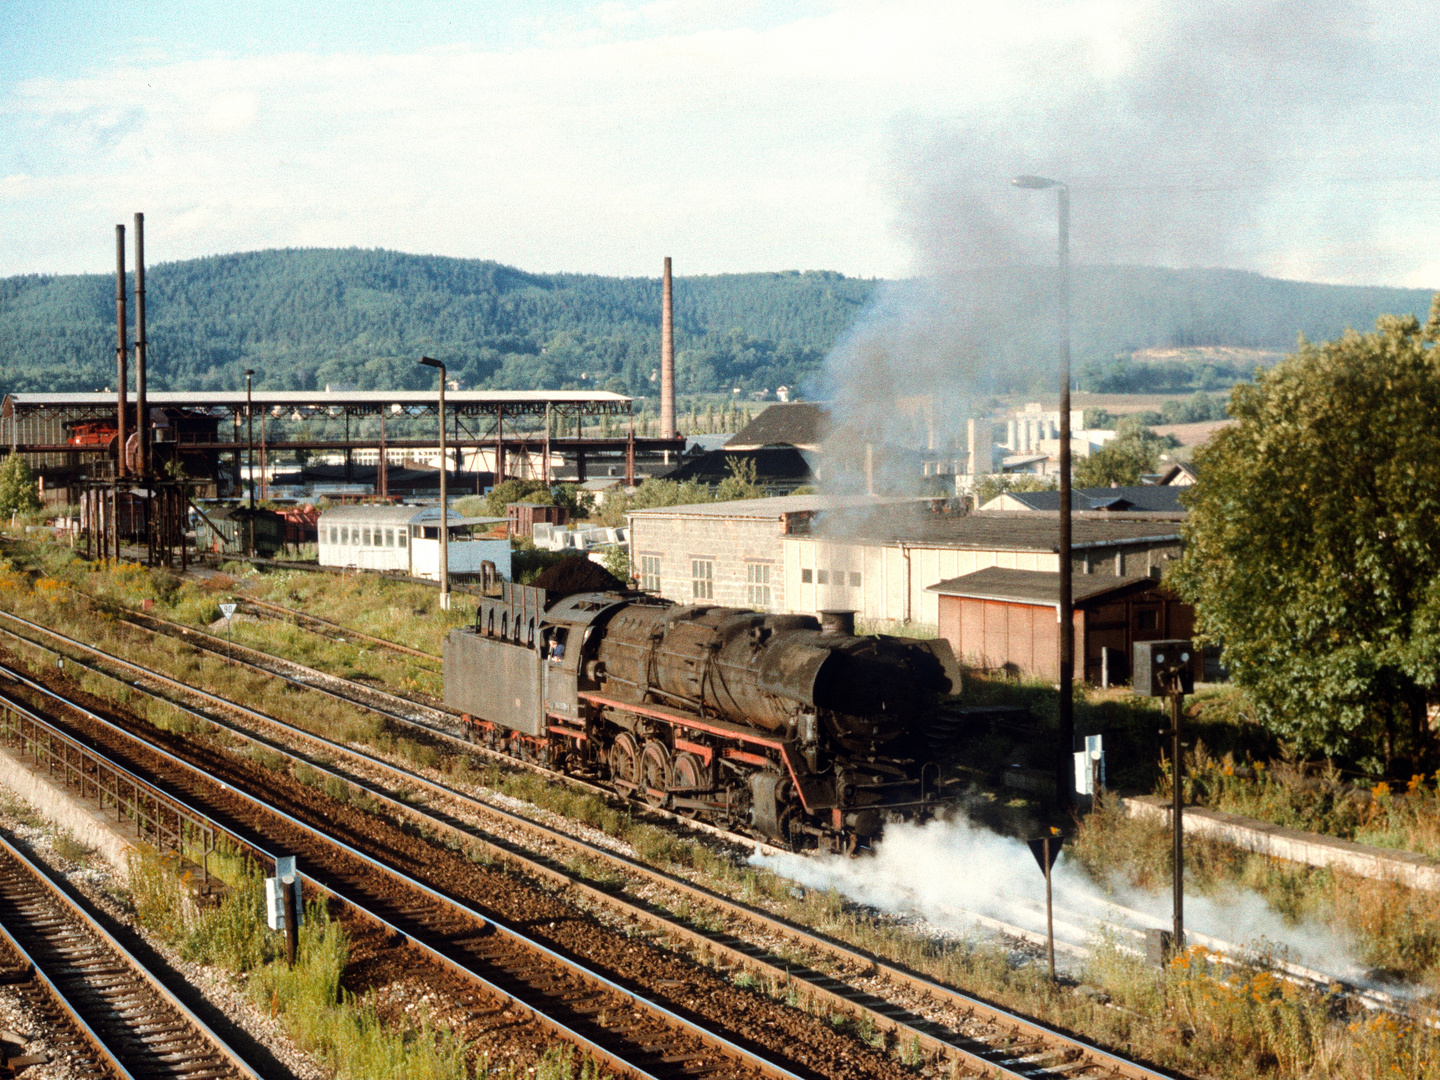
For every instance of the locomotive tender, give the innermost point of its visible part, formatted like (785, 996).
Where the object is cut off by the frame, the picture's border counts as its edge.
(784, 726)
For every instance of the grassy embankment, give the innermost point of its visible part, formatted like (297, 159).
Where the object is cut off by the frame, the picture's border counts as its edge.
(1232, 1022)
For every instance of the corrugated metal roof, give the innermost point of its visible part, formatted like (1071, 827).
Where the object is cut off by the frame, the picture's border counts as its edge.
(405, 515)
(770, 509)
(1032, 586)
(980, 531)
(1145, 497)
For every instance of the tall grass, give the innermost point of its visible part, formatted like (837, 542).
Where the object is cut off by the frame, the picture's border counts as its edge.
(342, 1031)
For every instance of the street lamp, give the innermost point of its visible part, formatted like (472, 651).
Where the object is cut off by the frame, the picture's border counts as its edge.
(1064, 761)
(444, 509)
(250, 453)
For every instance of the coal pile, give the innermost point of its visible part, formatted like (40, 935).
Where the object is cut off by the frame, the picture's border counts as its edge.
(574, 574)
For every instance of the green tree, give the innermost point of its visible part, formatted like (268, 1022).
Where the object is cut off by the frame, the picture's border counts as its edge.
(993, 484)
(578, 502)
(741, 483)
(1133, 452)
(514, 491)
(1313, 543)
(19, 493)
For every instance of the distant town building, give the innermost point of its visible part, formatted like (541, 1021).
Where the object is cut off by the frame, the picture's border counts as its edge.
(1147, 499)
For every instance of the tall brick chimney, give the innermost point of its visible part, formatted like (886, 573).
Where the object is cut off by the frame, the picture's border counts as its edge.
(667, 358)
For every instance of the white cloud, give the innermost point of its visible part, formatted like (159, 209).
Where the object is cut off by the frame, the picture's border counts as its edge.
(733, 142)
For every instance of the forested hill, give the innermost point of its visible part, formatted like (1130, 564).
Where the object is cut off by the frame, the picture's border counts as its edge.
(304, 318)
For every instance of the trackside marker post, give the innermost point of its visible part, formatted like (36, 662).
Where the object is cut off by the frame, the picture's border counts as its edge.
(228, 610)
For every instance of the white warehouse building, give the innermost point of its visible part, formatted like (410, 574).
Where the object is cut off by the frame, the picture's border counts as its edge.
(406, 540)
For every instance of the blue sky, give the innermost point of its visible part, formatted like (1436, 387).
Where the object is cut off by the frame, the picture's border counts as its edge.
(868, 136)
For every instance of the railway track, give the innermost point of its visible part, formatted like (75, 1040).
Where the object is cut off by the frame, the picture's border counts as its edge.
(427, 719)
(117, 1018)
(626, 1031)
(927, 1018)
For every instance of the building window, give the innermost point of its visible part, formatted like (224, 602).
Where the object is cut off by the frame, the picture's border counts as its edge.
(400, 535)
(702, 579)
(345, 534)
(389, 537)
(367, 538)
(650, 573)
(757, 585)
(822, 577)
(1147, 620)
(334, 534)
(854, 580)
(807, 577)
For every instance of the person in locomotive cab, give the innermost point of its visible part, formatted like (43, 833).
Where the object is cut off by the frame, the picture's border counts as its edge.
(557, 646)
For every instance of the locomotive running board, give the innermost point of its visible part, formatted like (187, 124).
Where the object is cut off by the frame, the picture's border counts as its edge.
(811, 800)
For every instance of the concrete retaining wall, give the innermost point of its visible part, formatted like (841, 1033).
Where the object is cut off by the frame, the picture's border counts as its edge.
(1311, 849)
(57, 804)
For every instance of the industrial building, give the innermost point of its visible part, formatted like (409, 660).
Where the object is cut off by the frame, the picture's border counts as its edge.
(728, 552)
(877, 557)
(530, 433)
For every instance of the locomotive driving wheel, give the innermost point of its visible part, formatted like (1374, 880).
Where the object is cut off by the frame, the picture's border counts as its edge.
(655, 773)
(687, 773)
(624, 761)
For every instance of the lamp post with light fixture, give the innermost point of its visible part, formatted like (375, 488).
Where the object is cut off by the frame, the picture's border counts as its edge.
(250, 453)
(444, 510)
(1066, 736)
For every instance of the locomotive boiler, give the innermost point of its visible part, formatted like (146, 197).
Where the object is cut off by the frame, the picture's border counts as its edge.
(783, 726)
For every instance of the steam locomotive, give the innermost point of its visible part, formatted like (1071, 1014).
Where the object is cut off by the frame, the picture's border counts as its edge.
(781, 726)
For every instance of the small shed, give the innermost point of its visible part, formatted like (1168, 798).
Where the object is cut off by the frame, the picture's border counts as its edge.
(523, 516)
(227, 530)
(1009, 619)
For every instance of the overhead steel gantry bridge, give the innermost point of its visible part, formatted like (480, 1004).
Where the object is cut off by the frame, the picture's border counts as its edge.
(521, 422)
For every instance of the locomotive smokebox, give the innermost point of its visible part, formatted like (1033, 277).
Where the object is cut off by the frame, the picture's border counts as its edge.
(838, 623)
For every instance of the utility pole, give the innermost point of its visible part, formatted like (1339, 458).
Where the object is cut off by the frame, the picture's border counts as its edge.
(1066, 734)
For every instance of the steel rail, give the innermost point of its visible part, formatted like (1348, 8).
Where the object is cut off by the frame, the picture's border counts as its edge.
(57, 899)
(885, 1016)
(716, 1042)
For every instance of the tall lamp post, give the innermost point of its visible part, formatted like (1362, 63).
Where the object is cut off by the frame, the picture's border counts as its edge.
(444, 506)
(1064, 760)
(250, 453)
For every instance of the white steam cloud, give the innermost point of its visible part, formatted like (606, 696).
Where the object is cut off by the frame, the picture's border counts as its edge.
(947, 872)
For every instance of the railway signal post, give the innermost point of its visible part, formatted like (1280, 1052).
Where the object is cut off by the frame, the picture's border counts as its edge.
(1166, 669)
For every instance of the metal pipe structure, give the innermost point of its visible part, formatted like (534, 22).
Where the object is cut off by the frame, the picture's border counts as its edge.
(444, 507)
(667, 356)
(122, 351)
(1066, 734)
(142, 411)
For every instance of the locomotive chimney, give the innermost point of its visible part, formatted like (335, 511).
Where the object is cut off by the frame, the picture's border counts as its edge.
(837, 623)
(667, 357)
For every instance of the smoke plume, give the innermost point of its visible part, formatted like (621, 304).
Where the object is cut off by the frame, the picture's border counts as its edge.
(1171, 124)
